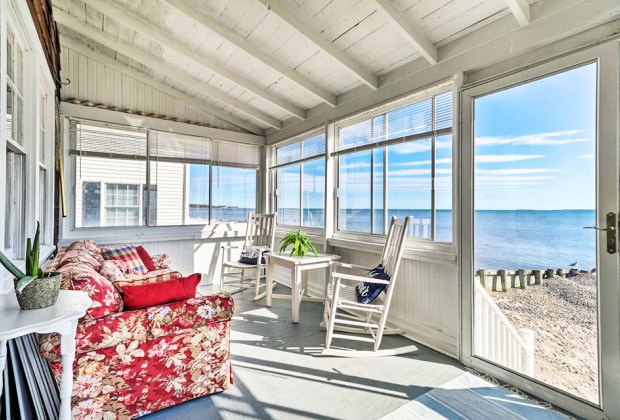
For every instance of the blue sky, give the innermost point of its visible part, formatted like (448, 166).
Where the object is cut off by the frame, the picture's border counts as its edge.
(231, 186)
(535, 144)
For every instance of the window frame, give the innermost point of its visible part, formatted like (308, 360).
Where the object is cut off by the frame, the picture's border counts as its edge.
(71, 176)
(273, 176)
(345, 237)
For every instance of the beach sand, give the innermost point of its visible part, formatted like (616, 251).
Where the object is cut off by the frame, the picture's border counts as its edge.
(563, 314)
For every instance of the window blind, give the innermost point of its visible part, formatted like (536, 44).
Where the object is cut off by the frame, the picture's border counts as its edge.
(107, 141)
(174, 147)
(305, 149)
(422, 119)
(238, 155)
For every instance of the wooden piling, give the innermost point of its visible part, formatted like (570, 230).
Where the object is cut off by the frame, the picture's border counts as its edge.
(502, 276)
(522, 280)
(537, 276)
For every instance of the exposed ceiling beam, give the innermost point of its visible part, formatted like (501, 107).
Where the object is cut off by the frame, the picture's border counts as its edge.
(167, 89)
(138, 24)
(240, 42)
(159, 66)
(424, 46)
(344, 60)
(521, 11)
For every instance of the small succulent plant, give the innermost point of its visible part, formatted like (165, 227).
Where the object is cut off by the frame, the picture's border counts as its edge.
(33, 271)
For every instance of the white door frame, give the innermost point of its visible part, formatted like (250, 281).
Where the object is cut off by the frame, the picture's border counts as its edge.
(608, 199)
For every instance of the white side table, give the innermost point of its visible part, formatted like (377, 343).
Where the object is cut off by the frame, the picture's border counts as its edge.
(61, 318)
(298, 267)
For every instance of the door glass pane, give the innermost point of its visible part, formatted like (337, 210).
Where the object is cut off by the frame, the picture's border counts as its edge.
(535, 280)
(234, 193)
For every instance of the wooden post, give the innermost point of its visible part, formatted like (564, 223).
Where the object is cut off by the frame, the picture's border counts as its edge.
(550, 273)
(537, 276)
(561, 272)
(522, 280)
(502, 275)
(483, 278)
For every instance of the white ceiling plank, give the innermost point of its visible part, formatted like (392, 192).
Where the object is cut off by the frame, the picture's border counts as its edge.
(240, 42)
(342, 58)
(138, 75)
(521, 11)
(409, 31)
(138, 24)
(156, 64)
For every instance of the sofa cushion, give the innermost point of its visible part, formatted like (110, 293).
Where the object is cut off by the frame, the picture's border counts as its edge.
(88, 246)
(146, 258)
(175, 317)
(126, 254)
(105, 298)
(161, 261)
(95, 334)
(151, 294)
(113, 270)
(150, 277)
(77, 256)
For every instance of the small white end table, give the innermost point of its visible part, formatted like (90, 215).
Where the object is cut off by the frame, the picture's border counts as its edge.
(61, 318)
(298, 267)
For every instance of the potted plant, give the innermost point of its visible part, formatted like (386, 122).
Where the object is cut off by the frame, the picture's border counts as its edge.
(300, 242)
(34, 289)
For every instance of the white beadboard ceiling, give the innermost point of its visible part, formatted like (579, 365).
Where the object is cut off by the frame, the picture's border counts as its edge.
(252, 64)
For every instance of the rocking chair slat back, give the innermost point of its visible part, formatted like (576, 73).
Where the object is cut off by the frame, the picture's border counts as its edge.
(261, 230)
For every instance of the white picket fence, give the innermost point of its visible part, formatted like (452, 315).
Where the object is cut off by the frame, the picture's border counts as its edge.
(497, 340)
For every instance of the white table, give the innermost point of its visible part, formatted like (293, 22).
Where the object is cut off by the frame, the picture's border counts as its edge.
(61, 318)
(298, 267)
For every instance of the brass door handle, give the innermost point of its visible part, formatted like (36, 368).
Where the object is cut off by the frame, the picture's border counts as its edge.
(612, 239)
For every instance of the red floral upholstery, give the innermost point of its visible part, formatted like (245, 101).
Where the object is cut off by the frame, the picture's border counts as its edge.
(177, 317)
(135, 362)
(105, 298)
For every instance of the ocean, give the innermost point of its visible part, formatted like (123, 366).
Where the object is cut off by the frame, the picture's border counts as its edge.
(504, 239)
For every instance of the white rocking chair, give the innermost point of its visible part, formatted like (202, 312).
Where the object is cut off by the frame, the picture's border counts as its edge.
(260, 232)
(344, 313)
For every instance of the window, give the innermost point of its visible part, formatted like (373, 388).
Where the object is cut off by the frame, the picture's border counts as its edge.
(122, 205)
(15, 207)
(300, 180)
(177, 184)
(110, 167)
(234, 193)
(43, 197)
(398, 163)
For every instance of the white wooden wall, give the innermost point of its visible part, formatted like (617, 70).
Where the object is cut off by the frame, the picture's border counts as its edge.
(98, 83)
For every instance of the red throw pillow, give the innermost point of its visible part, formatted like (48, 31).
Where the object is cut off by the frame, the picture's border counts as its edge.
(152, 294)
(146, 258)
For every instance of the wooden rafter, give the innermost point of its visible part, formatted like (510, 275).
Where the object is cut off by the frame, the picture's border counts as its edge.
(138, 24)
(167, 89)
(240, 42)
(520, 10)
(159, 66)
(339, 56)
(412, 34)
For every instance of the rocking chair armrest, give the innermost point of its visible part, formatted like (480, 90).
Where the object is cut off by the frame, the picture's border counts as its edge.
(360, 279)
(347, 265)
(225, 247)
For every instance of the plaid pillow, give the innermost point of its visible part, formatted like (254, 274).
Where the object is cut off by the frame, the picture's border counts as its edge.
(126, 254)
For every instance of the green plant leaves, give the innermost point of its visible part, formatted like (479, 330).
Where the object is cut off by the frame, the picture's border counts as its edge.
(23, 282)
(300, 244)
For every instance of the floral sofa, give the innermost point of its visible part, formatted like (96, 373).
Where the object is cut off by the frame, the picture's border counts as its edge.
(130, 363)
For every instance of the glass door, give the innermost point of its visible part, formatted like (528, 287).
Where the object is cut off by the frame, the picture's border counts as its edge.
(535, 239)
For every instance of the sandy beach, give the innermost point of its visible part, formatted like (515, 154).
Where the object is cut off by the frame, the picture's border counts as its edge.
(563, 314)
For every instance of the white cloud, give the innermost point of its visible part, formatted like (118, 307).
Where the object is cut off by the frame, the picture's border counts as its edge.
(423, 162)
(588, 156)
(505, 158)
(551, 138)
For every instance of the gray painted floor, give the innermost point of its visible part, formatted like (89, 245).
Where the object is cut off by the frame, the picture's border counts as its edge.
(278, 375)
